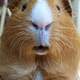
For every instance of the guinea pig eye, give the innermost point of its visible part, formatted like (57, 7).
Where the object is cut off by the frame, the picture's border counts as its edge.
(24, 6)
(58, 7)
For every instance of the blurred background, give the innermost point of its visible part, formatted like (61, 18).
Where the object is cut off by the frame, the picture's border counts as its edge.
(76, 13)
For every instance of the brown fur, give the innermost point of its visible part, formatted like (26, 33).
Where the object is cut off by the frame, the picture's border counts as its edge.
(62, 59)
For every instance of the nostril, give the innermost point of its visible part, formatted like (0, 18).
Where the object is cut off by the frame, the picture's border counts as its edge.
(35, 25)
(47, 26)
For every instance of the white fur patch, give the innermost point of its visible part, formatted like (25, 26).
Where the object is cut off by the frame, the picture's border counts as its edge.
(41, 13)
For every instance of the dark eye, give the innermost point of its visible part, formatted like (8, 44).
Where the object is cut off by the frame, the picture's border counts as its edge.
(24, 7)
(58, 7)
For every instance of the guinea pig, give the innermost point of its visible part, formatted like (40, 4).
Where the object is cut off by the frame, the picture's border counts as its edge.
(39, 42)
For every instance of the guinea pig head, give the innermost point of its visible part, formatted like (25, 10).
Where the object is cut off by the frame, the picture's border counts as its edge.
(42, 28)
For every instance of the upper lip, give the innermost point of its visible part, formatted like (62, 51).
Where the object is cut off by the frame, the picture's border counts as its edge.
(40, 48)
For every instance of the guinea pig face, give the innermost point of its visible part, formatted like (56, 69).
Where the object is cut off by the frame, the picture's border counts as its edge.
(36, 27)
(40, 16)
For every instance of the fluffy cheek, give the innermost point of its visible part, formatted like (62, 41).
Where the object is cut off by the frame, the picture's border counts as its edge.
(18, 40)
(25, 44)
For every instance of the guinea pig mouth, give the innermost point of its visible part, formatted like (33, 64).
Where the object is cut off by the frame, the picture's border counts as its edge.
(41, 49)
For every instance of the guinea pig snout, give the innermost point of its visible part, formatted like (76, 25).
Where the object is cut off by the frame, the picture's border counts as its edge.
(41, 38)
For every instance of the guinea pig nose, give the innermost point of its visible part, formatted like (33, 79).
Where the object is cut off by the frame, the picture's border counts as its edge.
(41, 26)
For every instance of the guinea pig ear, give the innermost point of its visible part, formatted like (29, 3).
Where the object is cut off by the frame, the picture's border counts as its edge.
(67, 6)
